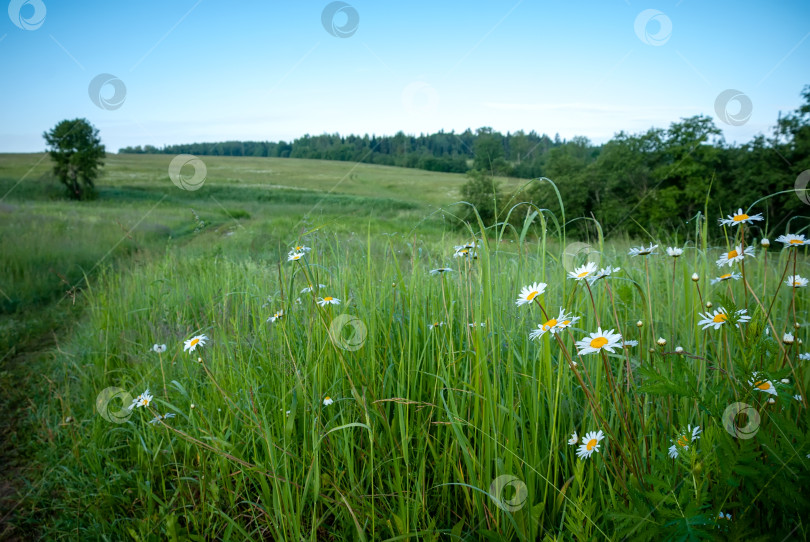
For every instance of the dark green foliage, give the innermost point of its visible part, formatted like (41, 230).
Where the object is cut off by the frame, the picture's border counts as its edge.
(77, 152)
(481, 191)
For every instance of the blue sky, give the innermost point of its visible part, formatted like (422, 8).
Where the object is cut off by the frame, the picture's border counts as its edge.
(208, 70)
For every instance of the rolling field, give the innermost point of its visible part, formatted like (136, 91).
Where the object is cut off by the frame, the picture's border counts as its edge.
(542, 388)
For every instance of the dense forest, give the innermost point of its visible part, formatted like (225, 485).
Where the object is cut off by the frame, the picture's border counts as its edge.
(660, 177)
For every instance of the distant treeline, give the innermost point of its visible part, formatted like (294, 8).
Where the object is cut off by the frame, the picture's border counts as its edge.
(521, 154)
(660, 177)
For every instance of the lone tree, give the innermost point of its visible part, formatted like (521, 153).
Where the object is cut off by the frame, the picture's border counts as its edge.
(76, 151)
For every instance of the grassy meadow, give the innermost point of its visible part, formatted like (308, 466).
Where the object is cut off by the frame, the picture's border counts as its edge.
(419, 407)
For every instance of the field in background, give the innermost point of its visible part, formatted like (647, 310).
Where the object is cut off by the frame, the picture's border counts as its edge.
(435, 430)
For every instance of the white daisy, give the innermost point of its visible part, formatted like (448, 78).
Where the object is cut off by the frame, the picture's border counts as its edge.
(798, 398)
(309, 289)
(324, 301)
(528, 293)
(159, 348)
(574, 439)
(192, 344)
(554, 325)
(143, 400)
(720, 317)
(590, 443)
(299, 248)
(600, 340)
(791, 240)
(735, 255)
(805, 356)
(159, 418)
(465, 252)
(604, 272)
(796, 281)
(630, 344)
(739, 218)
(684, 440)
(327, 401)
(583, 272)
(728, 276)
(440, 271)
(642, 250)
(674, 251)
(277, 316)
(724, 516)
(294, 256)
(679, 349)
(760, 383)
(435, 324)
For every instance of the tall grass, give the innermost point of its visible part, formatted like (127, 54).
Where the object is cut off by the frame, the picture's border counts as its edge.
(426, 421)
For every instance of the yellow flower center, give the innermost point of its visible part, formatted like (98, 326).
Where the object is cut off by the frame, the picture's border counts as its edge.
(532, 295)
(327, 398)
(795, 241)
(599, 342)
(565, 322)
(551, 323)
(194, 342)
(796, 283)
(740, 218)
(762, 385)
(328, 298)
(683, 441)
(732, 254)
(591, 444)
(725, 277)
(719, 317)
(583, 274)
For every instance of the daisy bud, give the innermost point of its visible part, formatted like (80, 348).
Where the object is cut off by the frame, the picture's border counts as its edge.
(765, 243)
(639, 323)
(192, 405)
(708, 304)
(788, 338)
(662, 341)
(679, 349)
(797, 325)
(799, 341)
(652, 350)
(771, 400)
(785, 381)
(695, 277)
(68, 419)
